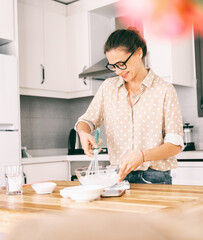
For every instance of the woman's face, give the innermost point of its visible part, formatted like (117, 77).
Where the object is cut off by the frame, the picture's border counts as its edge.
(133, 64)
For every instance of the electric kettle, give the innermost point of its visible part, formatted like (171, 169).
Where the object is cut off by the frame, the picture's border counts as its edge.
(74, 145)
(188, 138)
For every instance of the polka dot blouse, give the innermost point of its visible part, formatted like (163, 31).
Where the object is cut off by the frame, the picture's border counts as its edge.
(153, 119)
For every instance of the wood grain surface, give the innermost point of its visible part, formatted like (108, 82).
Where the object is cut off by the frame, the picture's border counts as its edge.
(141, 198)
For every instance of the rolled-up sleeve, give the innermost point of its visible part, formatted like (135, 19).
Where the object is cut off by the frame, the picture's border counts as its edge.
(173, 125)
(94, 114)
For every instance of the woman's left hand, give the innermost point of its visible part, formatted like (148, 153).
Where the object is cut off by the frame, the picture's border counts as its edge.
(129, 163)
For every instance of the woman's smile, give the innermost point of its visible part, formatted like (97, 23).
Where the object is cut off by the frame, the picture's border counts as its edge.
(124, 75)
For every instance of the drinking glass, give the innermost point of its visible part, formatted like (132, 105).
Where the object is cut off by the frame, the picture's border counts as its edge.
(13, 177)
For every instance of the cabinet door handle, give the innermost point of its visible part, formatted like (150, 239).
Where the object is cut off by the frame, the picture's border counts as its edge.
(84, 79)
(43, 74)
(25, 178)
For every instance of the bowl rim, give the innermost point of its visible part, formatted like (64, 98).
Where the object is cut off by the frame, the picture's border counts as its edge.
(43, 184)
(85, 170)
(83, 188)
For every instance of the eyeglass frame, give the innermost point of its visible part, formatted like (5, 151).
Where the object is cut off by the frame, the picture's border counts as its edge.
(124, 63)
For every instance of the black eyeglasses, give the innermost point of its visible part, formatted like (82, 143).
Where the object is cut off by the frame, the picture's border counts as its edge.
(120, 65)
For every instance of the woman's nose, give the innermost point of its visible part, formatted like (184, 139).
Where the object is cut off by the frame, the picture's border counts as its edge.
(118, 71)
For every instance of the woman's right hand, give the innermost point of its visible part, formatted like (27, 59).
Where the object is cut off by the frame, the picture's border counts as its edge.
(88, 143)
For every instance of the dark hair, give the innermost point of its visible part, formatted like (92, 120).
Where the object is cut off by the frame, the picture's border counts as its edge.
(128, 38)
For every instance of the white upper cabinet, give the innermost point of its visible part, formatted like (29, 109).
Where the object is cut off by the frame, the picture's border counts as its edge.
(55, 52)
(173, 60)
(78, 51)
(6, 21)
(55, 47)
(88, 33)
(31, 50)
(42, 50)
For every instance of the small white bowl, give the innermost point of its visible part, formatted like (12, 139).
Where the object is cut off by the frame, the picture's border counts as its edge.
(83, 193)
(44, 187)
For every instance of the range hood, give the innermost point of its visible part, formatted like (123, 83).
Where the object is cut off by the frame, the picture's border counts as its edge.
(98, 71)
(66, 2)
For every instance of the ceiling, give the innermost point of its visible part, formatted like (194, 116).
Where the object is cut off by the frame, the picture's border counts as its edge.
(66, 2)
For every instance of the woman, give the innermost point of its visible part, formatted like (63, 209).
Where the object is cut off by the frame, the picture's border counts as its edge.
(141, 114)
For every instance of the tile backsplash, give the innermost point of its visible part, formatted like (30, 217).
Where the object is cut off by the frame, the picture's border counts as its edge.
(46, 122)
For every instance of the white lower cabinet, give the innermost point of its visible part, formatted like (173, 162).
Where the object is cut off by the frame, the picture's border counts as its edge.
(46, 171)
(9, 151)
(188, 173)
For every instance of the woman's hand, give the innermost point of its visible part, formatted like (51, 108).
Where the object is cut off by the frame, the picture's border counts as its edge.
(129, 163)
(88, 143)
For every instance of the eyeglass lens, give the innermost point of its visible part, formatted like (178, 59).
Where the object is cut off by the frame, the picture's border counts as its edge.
(120, 65)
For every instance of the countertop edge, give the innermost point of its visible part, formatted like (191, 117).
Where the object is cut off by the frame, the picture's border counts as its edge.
(62, 158)
(183, 156)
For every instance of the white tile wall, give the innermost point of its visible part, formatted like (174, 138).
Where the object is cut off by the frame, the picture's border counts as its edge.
(46, 122)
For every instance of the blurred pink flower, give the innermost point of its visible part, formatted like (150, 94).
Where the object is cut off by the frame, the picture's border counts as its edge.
(166, 18)
(133, 12)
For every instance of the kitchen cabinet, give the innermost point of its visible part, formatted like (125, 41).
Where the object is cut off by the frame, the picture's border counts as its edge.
(89, 32)
(9, 99)
(42, 49)
(6, 21)
(9, 89)
(55, 52)
(31, 50)
(55, 48)
(173, 60)
(188, 173)
(9, 151)
(78, 50)
(9, 114)
(46, 171)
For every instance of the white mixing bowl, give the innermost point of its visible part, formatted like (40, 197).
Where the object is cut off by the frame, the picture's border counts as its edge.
(107, 176)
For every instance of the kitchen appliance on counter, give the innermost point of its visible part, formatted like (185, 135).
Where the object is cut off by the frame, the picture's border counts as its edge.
(188, 138)
(75, 147)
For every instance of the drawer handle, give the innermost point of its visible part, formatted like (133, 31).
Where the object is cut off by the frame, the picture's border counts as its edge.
(43, 74)
(84, 79)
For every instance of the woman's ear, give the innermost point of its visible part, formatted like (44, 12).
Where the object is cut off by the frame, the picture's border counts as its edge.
(140, 52)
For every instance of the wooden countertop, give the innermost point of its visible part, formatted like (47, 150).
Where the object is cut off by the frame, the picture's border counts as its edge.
(141, 198)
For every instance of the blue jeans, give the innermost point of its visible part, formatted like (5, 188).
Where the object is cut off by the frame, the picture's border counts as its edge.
(149, 176)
